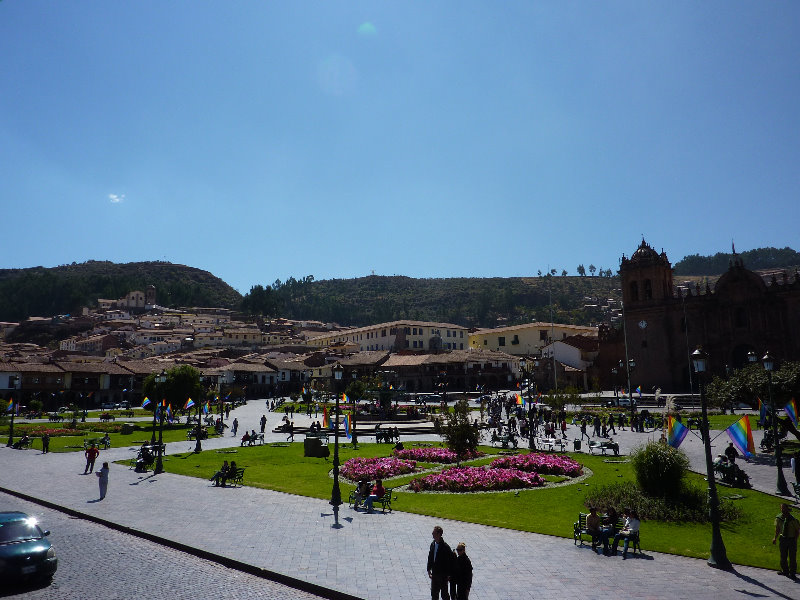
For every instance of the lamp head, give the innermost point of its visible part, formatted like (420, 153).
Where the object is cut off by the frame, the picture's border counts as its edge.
(699, 360)
(768, 361)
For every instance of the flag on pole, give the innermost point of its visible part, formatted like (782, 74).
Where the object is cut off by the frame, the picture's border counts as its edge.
(326, 422)
(520, 401)
(347, 426)
(742, 436)
(205, 408)
(345, 399)
(639, 391)
(169, 413)
(676, 431)
(10, 406)
(791, 410)
(145, 402)
(189, 404)
(304, 391)
(762, 412)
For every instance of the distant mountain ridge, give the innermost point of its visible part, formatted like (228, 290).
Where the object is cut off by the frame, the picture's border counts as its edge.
(40, 291)
(755, 260)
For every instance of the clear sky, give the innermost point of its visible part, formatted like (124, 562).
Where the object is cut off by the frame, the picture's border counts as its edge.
(261, 140)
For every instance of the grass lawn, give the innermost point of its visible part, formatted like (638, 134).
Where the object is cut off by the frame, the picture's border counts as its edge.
(74, 443)
(551, 511)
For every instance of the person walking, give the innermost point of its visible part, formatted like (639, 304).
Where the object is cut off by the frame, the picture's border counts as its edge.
(235, 426)
(440, 558)
(45, 443)
(462, 572)
(787, 528)
(290, 429)
(102, 476)
(91, 455)
(263, 422)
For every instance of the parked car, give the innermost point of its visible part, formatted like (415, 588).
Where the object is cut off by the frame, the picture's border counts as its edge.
(63, 409)
(626, 402)
(126, 405)
(107, 405)
(25, 553)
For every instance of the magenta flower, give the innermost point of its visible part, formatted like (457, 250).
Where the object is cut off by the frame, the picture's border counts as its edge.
(476, 479)
(356, 469)
(434, 455)
(549, 464)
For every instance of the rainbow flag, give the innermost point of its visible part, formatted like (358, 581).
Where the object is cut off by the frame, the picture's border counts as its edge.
(304, 391)
(791, 410)
(762, 412)
(347, 431)
(520, 401)
(539, 397)
(206, 408)
(345, 399)
(676, 431)
(145, 402)
(189, 404)
(742, 436)
(326, 422)
(10, 406)
(639, 390)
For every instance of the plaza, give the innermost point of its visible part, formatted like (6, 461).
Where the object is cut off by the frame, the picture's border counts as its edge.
(290, 538)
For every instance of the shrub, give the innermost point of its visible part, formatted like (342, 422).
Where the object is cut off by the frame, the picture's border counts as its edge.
(689, 505)
(660, 469)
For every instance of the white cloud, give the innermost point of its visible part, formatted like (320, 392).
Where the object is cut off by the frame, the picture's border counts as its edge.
(116, 198)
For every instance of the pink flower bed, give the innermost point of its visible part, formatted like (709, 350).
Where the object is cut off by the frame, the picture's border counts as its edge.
(356, 469)
(476, 479)
(434, 455)
(548, 464)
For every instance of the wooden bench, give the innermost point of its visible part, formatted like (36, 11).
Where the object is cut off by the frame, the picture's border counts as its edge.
(731, 474)
(384, 501)
(579, 530)
(55, 417)
(104, 441)
(126, 413)
(504, 440)
(23, 443)
(603, 447)
(191, 432)
(237, 477)
(321, 435)
(385, 435)
(106, 417)
(550, 444)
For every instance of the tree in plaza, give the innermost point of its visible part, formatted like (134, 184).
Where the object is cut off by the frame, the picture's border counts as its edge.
(660, 469)
(182, 382)
(459, 434)
(559, 400)
(581, 270)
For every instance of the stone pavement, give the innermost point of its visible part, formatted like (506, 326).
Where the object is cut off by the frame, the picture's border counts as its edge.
(370, 556)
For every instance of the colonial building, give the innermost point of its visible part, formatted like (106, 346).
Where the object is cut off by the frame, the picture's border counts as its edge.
(526, 339)
(399, 335)
(663, 324)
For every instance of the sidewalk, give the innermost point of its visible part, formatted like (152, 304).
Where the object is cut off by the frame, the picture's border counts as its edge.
(371, 556)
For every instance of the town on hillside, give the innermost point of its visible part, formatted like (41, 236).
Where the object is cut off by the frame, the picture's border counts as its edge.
(658, 325)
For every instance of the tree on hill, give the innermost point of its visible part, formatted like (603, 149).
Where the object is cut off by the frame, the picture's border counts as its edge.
(592, 269)
(581, 270)
(760, 258)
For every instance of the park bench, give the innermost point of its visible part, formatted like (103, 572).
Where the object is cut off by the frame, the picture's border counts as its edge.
(191, 432)
(55, 417)
(731, 474)
(104, 441)
(579, 530)
(106, 417)
(23, 443)
(550, 444)
(259, 439)
(146, 459)
(603, 447)
(126, 413)
(236, 477)
(385, 435)
(384, 501)
(503, 439)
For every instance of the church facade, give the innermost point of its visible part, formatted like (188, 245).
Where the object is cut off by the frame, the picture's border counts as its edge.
(664, 323)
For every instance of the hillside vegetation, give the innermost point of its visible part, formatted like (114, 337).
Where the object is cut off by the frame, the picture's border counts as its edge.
(755, 260)
(65, 289)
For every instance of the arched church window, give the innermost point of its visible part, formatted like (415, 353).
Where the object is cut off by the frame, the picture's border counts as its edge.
(634, 288)
(648, 290)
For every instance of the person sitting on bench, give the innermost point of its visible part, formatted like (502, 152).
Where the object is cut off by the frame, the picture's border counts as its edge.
(593, 524)
(23, 441)
(362, 492)
(219, 476)
(377, 492)
(630, 529)
(253, 438)
(245, 439)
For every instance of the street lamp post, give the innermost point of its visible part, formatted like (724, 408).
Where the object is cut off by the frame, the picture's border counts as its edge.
(769, 365)
(198, 447)
(336, 494)
(631, 365)
(718, 558)
(614, 372)
(161, 378)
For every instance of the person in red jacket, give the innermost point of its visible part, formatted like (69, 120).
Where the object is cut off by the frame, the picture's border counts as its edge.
(91, 455)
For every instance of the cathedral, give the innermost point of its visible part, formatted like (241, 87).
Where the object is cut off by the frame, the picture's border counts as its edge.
(665, 323)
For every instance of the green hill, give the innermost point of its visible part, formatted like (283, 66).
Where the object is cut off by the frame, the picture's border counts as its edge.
(40, 291)
(755, 260)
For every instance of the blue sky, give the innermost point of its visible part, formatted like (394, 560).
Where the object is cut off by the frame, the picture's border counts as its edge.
(262, 140)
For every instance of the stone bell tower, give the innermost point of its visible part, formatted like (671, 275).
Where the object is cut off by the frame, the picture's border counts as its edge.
(646, 277)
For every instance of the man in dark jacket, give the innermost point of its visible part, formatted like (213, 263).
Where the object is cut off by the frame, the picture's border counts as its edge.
(440, 559)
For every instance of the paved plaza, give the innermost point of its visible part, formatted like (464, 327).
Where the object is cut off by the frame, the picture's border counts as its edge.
(377, 555)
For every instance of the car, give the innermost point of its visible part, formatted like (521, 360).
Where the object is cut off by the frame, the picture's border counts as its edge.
(107, 406)
(63, 409)
(25, 551)
(624, 401)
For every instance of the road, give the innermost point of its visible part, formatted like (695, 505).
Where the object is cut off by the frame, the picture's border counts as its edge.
(98, 562)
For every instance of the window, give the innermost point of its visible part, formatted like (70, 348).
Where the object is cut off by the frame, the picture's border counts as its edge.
(501, 341)
(543, 335)
(462, 346)
(648, 290)
(461, 334)
(448, 333)
(406, 343)
(634, 291)
(515, 341)
(485, 342)
(383, 333)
